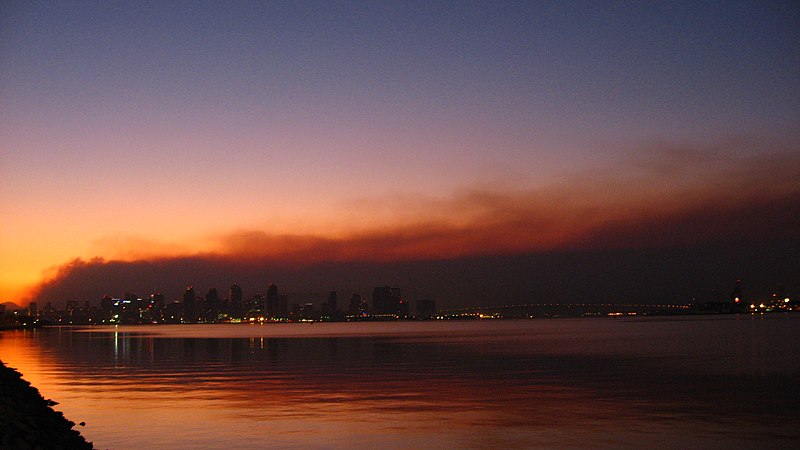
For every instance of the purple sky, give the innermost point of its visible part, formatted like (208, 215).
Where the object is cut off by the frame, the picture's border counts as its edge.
(322, 131)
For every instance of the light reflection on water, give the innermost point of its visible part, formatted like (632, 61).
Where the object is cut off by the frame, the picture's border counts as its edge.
(660, 382)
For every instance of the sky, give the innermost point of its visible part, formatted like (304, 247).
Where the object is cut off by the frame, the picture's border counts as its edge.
(266, 140)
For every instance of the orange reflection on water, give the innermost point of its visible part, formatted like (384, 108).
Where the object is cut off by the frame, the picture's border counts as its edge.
(18, 351)
(560, 383)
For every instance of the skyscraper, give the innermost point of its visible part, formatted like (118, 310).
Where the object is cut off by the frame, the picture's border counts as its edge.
(156, 307)
(272, 301)
(283, 306)
(236, 301)
(331, 307)
(255, 307)
(354, 308)
(387, 300)
(189, 311)
(212, 305)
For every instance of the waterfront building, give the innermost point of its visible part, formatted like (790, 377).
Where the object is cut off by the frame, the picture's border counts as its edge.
(236, 301)
(156, 308)
(352, 307)
(212, 309)
(330, 309)
(106, 306)
(307, 311)
(189, 305)
(387, 300)
(173, 312)
(272, 301)
(255, 307)
(283, 306)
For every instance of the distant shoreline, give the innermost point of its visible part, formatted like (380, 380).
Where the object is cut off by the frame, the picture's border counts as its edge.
(453, 318)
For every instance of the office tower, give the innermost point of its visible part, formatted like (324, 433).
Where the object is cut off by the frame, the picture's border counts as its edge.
(172, 312)
(106, 307)
(387, 300)
(212, 305)
(255, 306)
(307, 311)
(189, 305)
(331, 307)
(236, 301)
(157, 307)
(272, 300)
(354, 307)
(283, 306)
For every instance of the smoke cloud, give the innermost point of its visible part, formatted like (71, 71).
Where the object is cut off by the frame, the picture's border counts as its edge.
(684, 213)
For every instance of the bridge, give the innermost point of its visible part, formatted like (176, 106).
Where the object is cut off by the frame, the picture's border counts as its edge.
(565, 309)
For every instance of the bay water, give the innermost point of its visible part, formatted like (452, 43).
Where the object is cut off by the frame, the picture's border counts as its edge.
(637, 382)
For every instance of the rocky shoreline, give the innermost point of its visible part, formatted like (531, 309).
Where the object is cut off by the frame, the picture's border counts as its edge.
(28, 421)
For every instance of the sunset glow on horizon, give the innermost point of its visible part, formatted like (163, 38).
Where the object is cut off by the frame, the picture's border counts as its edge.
(309, 132)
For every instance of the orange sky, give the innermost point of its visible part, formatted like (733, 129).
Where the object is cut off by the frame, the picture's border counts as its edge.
(380, 132)
(660, 201)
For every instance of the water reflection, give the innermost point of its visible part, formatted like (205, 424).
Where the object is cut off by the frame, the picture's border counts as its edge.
(558, 383)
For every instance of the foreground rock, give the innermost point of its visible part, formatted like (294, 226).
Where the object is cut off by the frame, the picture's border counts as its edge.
(28, 421)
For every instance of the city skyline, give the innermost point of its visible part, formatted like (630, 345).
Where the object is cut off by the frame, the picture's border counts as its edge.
(387, 304)
(474, 152)
(601, 291)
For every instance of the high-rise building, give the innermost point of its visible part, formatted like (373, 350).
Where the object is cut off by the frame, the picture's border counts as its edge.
(153, 309)
(189, 303)
(236, 301)
(386, 300)
(331, 307)
(355, 306)
(255, 307)
(403, 308)
(307, 311)
(381, 300)
(212, 305)
(172, 312)
(272, 300)
(106, 307)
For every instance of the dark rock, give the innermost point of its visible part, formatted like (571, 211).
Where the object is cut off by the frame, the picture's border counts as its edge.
(28, 421)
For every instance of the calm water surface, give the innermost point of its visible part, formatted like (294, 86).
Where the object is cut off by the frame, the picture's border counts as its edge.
(696, 382)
